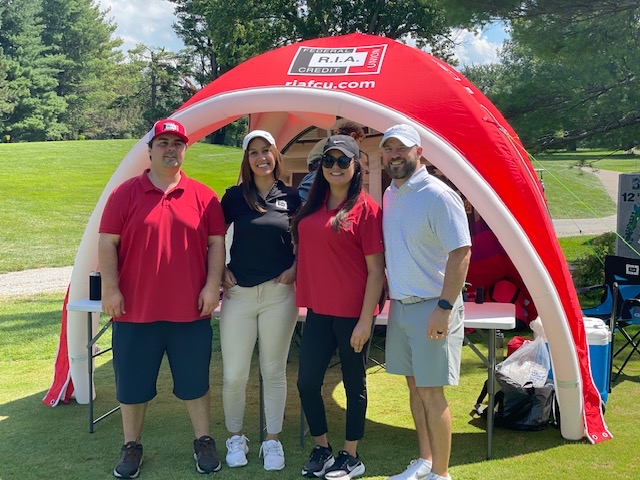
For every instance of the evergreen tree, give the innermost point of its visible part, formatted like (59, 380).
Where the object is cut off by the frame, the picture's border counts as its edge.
(5, 94)
(35, 106)
(88, 63)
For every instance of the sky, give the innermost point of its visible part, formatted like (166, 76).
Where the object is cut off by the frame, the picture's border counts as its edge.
(150, 22)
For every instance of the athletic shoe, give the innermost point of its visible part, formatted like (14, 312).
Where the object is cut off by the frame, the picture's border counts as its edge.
(320, 459)
(345, 467)
(417, 470)
(205, 455)
(273, 454)
(130, 461)
(433, 476)
(237, 450)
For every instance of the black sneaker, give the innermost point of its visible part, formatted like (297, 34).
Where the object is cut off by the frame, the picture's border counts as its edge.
(345, 467)
(130, 460)
(320, 459)
(205, 455)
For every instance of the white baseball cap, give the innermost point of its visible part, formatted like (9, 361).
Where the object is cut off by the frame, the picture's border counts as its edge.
(405, 133)
(257, 133)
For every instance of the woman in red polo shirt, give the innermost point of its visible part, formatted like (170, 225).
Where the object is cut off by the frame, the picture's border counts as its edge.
(340, 275)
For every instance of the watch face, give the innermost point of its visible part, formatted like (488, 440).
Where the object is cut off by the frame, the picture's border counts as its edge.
(444, 304)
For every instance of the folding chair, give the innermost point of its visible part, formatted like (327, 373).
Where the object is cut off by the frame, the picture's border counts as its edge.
(620, 305)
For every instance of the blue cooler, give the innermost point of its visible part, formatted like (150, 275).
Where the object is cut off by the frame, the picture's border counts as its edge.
(599, 342)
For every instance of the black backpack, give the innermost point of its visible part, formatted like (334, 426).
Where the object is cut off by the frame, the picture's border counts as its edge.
(521, 407)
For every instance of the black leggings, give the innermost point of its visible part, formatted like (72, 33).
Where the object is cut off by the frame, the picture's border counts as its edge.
(321, 335)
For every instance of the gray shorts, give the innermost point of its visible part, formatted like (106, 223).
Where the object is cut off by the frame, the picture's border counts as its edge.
(409, 352)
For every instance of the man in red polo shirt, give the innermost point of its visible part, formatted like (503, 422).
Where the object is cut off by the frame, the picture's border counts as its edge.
(162, 254)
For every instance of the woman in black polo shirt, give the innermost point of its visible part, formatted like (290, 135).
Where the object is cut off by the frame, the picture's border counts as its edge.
(259, 299)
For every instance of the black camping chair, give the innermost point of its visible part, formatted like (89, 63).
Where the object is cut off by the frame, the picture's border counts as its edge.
(619, 306)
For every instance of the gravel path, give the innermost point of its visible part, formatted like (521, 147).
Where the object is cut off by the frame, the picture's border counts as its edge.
(56, 280)
(39, 280)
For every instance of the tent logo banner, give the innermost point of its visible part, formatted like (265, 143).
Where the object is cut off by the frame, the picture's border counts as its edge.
(364, 60)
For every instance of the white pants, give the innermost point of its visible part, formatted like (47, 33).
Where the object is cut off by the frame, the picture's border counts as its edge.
(266, 312)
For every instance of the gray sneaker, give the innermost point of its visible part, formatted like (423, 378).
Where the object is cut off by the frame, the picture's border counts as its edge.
(205, 455)
(345, 467)
(320, 459)
(130, 460)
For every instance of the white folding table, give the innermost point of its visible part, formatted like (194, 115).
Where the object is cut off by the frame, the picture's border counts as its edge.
(489, 317)
(92, 306)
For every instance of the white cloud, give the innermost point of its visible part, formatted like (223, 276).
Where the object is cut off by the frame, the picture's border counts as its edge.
(476, 48)
(149, 22)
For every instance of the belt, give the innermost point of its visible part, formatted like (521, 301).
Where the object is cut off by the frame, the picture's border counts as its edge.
(410, 300)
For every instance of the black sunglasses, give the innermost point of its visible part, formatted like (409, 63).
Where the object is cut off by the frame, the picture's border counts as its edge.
(343, 162)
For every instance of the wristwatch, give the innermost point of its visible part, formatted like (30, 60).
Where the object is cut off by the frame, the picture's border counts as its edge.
(443, 304)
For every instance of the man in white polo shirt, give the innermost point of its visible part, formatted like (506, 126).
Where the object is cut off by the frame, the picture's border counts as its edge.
(427, 250)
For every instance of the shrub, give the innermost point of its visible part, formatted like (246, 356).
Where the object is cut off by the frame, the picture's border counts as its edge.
(589, 269)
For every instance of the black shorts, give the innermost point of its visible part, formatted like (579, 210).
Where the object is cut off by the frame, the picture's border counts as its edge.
(138, 349)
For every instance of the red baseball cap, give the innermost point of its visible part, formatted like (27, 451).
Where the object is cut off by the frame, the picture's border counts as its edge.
(168, 126)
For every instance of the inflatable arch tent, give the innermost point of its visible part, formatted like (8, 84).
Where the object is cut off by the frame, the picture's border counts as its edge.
(380, 82)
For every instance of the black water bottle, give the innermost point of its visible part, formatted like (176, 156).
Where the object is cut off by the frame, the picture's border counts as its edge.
(95, 286)
(479, 295)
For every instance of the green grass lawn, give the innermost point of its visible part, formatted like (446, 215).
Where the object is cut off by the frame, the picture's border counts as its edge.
(597, 159)
(572, 192)
(49, 191)
(574, 247)
(54, 443)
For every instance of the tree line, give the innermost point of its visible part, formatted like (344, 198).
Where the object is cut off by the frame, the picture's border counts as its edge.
(567, 77)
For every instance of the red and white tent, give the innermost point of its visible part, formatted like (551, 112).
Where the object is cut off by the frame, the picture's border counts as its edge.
(379, 82)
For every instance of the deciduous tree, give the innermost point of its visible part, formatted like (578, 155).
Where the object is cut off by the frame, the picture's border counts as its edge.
(571, 74)
(163, 81)
(224, 33)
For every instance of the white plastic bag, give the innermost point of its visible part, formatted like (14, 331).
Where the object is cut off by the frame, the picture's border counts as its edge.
(538, 329)
(528, 364)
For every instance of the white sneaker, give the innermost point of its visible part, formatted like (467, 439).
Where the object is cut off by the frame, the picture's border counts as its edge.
(417, 470)
(273, 454)
(237, 450)
(433, 476)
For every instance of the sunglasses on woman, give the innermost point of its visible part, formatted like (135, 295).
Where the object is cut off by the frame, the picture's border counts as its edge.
(343, 162)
